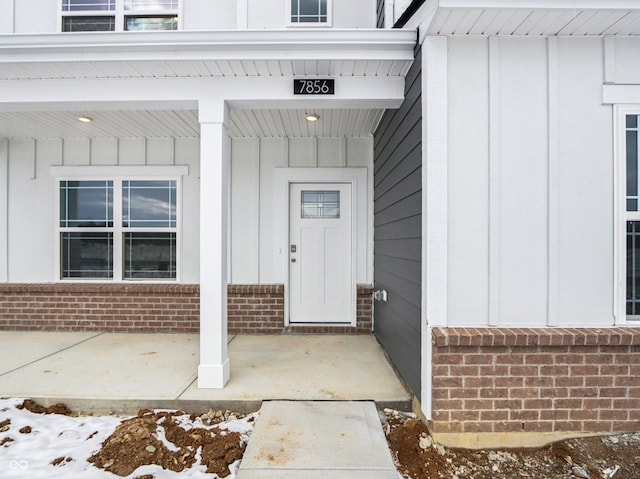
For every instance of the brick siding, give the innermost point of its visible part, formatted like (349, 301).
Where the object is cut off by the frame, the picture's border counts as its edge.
(167, 308)
(536, 380)
(153, 308)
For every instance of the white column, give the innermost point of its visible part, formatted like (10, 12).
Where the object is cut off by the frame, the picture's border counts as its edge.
(213, 371)
(4, 209)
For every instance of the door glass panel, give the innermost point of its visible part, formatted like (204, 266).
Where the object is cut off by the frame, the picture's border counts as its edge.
(320, 204)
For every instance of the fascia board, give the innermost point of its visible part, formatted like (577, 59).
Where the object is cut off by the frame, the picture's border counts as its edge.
(376, 44)
(540, 4)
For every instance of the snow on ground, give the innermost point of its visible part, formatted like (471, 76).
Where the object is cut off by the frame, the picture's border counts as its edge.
(38, 441)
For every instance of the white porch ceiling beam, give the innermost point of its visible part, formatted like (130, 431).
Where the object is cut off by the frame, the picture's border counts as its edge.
(377, 44)
(263, 93)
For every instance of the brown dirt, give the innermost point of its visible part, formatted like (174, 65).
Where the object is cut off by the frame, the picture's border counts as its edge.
(417, 456)
(135, 443)
(36, 408)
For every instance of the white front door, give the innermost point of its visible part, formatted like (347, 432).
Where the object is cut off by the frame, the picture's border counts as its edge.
(320, 253)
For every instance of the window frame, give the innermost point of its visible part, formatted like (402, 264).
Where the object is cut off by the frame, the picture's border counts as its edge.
(120, 15)
(119, 230)
(291, 24)
(621, 215)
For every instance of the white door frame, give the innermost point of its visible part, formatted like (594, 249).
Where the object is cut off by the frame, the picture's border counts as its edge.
(283, 178)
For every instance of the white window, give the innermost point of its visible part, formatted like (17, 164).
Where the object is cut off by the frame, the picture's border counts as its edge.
(118, 229)
(119, 15)
(632, 214)
(310, 12)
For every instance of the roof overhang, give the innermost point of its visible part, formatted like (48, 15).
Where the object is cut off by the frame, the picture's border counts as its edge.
(206, 54)
(524, 17)
(155, 80)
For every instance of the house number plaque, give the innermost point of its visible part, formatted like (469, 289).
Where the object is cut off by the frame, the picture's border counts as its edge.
(317, 86)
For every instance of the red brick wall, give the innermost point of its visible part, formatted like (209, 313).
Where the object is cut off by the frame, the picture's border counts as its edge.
(100, 307)
(260, 309)
(166, 308)
(540, 380)
(255, 308)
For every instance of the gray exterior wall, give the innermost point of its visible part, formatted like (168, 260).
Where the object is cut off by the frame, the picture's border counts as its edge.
(380, 14)
(398, 230)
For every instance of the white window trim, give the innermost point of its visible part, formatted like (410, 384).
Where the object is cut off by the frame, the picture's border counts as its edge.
(290, 24)
(123, 173)
(120, 13)
(620, 214)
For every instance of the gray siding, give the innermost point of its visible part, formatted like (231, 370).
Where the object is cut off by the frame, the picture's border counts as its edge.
(380, 13)
(398, 230)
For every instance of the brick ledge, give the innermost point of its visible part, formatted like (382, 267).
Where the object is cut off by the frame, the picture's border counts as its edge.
(627, 336)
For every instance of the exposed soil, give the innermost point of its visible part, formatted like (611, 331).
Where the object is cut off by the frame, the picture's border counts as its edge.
(137, 441)
(36, 408)
(159, 437)
(417, 456)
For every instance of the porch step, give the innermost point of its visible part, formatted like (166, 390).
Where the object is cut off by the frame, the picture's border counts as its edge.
(317, 439)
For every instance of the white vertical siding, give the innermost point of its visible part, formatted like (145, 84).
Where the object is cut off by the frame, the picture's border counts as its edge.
(31, 212)
(208, 15)
(4, 187)
(585, 182)
(468, 180)
(531, 181)
(37, 16)
(245, 210)
(522, 188)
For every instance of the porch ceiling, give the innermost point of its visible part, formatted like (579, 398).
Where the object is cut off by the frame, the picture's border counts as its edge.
(532, 17)
(184, 123)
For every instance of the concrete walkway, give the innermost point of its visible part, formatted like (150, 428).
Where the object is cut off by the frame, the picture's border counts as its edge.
(313, 440)
(106, 372)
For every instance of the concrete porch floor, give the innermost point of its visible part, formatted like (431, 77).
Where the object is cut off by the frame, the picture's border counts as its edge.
(120, 373)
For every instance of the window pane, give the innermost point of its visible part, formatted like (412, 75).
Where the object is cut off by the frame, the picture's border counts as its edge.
(149, 255)
(145, 23)
(88, 24)
(308, 11)
(633, 267)
(632, 121)
(87, 255)
(86, 204)
(632, 163)
(151, 4)
(88, 5)
(320, 204)
(149, 204)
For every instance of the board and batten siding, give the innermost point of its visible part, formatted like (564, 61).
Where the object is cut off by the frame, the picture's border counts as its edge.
(398, 230)
(530, 192)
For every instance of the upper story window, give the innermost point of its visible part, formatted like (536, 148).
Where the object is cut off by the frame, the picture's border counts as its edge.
(119, 15)
(310, 12)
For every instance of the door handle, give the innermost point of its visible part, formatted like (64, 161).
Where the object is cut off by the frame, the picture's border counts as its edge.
(293, 260)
